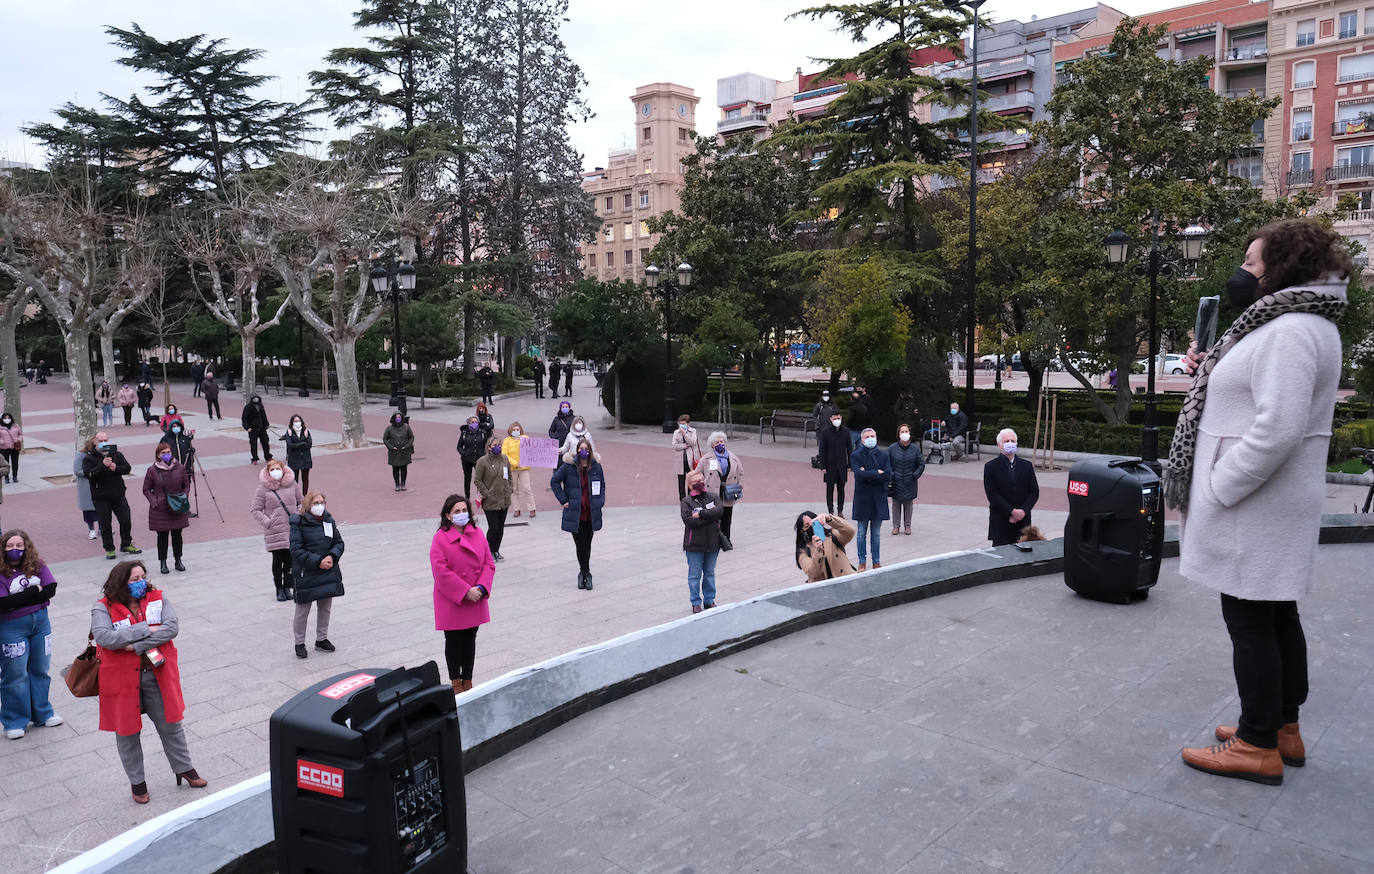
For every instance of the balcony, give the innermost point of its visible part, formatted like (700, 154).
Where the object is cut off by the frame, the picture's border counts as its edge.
(1351, 126)
(1359, 215)
(1308, 83)
(1246, 53)
(1349, 172)
(1015, 100)
(1348, 34)
(1369, 30)
(1300, 177)
(1020, 65)
(1234, 93)
(1302, 131)
(1356, 77)
(754, 119)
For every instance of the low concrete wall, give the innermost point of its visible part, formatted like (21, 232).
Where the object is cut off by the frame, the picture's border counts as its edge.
(231, 832)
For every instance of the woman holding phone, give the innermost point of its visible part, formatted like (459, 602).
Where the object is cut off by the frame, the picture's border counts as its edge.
(820, 545)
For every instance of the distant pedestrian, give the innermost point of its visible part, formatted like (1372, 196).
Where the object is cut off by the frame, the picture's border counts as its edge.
(833, 446)
(562, 422)
(724, 476)
(1012, 490)
(820, 545)
(5, 477)
(822, 411)
(170, 416)
(872, 471)
(83, 496)
(145, 402)
(539, 371)
(197, 379)
(254, 421)
(133, 625)
(485, 420)
(470, 448)
(298, 451)
(579, 484)
(567, 378)
(701, 541)
(688, 448)
(316, 548)
(26, 588)
(276, 500)
(485, 376)
(861, 414)
(463, 568)
(493, 479)
(165, 485)
(43, 371)
(908, 463)
(399, 441)
(105, 397)
(210, 390)
(146, 372)
(182, 448)
(522, 493)
(904, 408)
(554, 372)
(126, 399)
(11, 444)
(105, 468)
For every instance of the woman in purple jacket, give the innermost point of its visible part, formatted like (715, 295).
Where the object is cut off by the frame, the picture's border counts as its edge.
(166, 483)
(26, 587)
(463, 570)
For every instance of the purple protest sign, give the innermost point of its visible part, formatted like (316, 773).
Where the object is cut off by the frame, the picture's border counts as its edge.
(539, 452)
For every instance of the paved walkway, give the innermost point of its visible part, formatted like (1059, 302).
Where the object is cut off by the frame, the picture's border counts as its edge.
(62, 790)
(1011, 727)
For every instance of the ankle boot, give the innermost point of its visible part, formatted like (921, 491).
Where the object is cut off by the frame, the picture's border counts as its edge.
(467, 684)
(164, 568)
(1291, 748)
(589, 581)
(194, 780)
(178, 565)
(457, 686)
(1236, 758)
(140, 791)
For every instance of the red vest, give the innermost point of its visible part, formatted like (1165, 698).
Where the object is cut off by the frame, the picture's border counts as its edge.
(120, 710)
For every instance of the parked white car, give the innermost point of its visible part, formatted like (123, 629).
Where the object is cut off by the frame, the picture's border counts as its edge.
(1169, 364)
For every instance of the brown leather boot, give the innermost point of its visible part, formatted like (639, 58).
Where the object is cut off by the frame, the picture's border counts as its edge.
(457, 686)
(1236, 758)
(467, 684)
(1291, 748)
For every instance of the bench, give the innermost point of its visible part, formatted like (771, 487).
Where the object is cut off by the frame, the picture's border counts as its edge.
(794, 420)
(270, 383)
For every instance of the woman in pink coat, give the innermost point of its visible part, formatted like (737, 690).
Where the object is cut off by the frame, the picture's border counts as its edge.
(463, 570)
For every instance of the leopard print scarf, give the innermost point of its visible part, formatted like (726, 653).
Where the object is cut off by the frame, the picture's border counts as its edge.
(1319, 298)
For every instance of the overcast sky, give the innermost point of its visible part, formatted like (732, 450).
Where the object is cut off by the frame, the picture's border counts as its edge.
(54, 51)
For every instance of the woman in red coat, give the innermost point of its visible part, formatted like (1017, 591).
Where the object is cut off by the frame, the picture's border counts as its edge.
(463, 570)
(167, 477)
(133, 626)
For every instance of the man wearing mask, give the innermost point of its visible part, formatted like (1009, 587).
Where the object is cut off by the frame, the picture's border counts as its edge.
(539, 371)
(860, 415)
(105, 467)
(209, 389)
(833, 443)
(821, 412)
(956, 428)
(554, 370)
(1012, 491)
(254, 420)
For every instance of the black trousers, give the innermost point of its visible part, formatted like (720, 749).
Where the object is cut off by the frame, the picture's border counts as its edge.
(726, 515)
(538, 387)
(259, 438)
(486, 395)
(467, 476)
(12, 456)
(496, 527)
(398, 473)
(162, 538)
(553, 386)
(195, 390)
(147, 414)
(833, 491)
(212, 408)
(281, 568)
(582, 539)
(119, 509)
(302, 477)
(1269, 656)
(128, 415)
(460, 651)
(567, 386)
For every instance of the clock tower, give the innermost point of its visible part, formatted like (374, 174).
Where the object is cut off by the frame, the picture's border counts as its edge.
(665, 123)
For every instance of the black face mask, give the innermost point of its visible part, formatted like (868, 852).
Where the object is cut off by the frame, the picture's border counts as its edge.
(1242, 288)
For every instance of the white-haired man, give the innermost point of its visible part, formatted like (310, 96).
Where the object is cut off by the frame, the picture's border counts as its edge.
(1011, 489)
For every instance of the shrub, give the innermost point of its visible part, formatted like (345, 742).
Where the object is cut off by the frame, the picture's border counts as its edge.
(641, 389)
(524, 366)
(1345, 438)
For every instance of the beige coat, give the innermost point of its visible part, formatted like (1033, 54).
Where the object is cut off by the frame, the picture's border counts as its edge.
(1255, 500)
(709, 468)
(832, 554)
(687, 446)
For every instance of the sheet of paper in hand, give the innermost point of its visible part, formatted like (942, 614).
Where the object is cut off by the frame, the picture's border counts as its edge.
(539, 452)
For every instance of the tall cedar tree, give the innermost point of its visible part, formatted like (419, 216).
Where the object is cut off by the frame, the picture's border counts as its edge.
(1133, 135)
(201, 125)
(90, 147)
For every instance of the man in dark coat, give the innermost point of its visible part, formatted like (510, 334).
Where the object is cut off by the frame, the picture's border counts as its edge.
(209, 389)
(485, 376)
(861, 412)
(554, 370)
(539, 372)
(832, 441)
(197, 377)
(1011, 489)
(254, 421)
(567, 378)
(105, 467)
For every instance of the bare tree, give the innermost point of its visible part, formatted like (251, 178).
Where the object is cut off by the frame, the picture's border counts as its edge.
(326, 225)
(216, 251)
(164, 317)
(84, 265)
(12, 306)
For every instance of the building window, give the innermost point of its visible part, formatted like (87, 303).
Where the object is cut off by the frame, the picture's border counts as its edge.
(610, 204)
(629, 202)
(643, 200)
(1307, 32)
(1363, 199)
(647, 135)
(1360, 155)
(643, 256)
(610, 233)
(610, 260)
(1354, 68)
(644, 229)
(733, 113)
(1302, 124)
(683, 135)
(629, 257)
(1369, 21)
(591, 261)
(1348, 25)
(1305, 74)
(648, 167)
(1302, 161)
(629, 231)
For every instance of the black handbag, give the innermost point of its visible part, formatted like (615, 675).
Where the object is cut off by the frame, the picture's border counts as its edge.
(733, 491)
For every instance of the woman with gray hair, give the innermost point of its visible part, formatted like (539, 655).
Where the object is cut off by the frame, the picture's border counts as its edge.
(724, 477)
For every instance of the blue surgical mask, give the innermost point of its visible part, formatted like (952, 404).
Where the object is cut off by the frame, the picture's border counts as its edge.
(102, 445)
(14, 556)
(472, 426)
(460, 519)
(1009, 447)
(138, 588)
(721, 450)
(870, 442)
(176, 429)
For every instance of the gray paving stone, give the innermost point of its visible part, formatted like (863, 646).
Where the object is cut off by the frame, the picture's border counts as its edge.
(1120, 746)
(1303, 812)
(1146, 833)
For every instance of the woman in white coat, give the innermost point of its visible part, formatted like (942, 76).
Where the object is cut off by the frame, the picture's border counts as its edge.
(1248, 459)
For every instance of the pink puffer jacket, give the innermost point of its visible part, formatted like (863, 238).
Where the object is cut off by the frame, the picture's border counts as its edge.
(275, 515)
(12, 437)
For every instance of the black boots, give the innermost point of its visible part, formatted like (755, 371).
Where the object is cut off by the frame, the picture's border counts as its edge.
(584, 580)
(178, 565)
(164, 568)
(281, 594)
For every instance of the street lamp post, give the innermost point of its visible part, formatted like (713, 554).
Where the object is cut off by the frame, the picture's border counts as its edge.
(1118, 244)
(970, 324)
(394, 283)
(684, 280)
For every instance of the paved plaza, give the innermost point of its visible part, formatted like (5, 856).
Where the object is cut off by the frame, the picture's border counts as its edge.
(63, 789)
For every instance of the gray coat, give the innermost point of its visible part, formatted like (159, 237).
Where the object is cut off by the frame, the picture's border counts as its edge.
(1255, 500)
(83, 486)
(400, 444)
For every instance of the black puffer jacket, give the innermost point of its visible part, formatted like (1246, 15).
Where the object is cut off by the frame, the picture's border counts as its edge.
(309, 545)
(471, 444)
(908, 463)
(701, 533)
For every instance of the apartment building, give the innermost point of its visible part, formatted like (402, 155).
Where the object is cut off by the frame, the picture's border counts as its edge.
(640, 183)
(1322, 63)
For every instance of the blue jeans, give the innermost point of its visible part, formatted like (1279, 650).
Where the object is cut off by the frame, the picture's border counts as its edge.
(24, 655)
(867, 530)
(107, 414)
(701, 576)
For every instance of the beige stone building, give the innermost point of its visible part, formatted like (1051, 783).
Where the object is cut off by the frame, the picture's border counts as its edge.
(640, 183)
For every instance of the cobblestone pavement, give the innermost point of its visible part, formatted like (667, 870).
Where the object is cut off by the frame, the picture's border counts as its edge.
(63, 789)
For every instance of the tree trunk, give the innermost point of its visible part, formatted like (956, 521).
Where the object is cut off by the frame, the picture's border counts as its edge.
(509, 345)
(834, 384)
(760, 367)
(423, 378)
(617, 398)
(10, 354)
(469, 340)
(1037, 379)
(250, 364)
(77, 343)
(346, 367)
(107, 361)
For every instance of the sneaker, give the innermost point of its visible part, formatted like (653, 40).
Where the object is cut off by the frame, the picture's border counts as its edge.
(300, 651)
(92, 535)
(53, 721)
(131, 550)
(324, 645)
(14, 733)
(111, 554)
